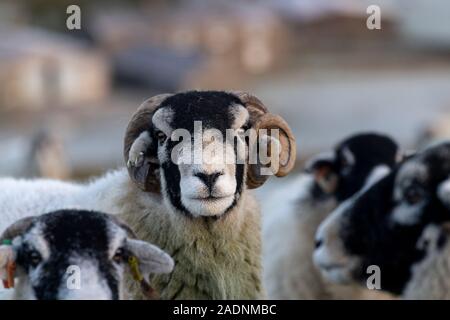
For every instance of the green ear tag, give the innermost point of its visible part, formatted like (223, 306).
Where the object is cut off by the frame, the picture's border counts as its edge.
(7, 242)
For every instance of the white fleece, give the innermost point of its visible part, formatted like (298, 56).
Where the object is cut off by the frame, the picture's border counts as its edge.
(208, 254)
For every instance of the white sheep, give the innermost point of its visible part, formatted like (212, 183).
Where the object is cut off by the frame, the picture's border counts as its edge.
(74, 254)
(202, 213)
(291, 220)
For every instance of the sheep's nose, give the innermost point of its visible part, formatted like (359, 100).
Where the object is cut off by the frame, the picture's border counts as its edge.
(209, 179)
(318, 243)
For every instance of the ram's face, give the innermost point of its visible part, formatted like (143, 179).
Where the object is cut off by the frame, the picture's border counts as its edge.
(382, 225)
(201, 152)
(67, 257)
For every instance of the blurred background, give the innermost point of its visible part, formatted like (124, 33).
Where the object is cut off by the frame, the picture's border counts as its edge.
(67, 95)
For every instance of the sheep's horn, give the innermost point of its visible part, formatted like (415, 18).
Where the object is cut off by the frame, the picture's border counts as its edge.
(144, 176)
(261, 118)
(255, 106)
(17, 228)
(288, 150)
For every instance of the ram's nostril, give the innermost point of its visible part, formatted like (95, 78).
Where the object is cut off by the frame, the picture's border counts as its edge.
(209, 179)
(318, 243)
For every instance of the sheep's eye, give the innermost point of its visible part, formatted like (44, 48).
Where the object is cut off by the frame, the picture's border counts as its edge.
(413, 195)
(161, 136)
(35, 258)
(119, 255)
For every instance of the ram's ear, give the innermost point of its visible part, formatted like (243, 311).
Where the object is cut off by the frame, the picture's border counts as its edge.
(140, 151)
(443, 192)
(151, 258)
(141, 163)
(322, 167)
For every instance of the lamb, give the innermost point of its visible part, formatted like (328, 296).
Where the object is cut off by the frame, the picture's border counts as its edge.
(45, 251)
(289, 231)
(386, 226)
(202, 214)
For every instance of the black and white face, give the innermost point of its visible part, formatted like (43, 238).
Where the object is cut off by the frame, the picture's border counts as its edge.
(204, 174)
(382, 225)
(355, 162)
(78, 255)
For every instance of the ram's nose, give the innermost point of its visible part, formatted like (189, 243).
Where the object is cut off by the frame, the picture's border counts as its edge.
(209, 179)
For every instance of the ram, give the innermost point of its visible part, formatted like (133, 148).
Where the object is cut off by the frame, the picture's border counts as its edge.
(74, 254)
(201, 212)
(384, 225)
(290, 225)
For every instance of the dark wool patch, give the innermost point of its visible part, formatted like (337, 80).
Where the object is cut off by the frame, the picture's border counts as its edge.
(210, 107)
(369, 150)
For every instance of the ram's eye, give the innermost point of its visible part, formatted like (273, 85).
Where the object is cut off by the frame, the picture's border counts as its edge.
(119, 255)
(34, 258)
(161, 136)
(413, 195)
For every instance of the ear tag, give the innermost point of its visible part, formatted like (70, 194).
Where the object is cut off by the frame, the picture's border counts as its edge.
(7, 264)
(133, 262)
(147, 289)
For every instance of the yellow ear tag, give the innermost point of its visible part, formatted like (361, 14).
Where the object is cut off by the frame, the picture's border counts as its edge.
(134, 266)
(147, 289)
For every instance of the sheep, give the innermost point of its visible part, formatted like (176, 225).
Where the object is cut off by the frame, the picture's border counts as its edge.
(383, 225)
(289, 226)
(202, 214)
(44, 252)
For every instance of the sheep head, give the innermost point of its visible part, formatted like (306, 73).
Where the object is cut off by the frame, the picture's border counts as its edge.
(382, 224)
(74, 254)
(218, 127)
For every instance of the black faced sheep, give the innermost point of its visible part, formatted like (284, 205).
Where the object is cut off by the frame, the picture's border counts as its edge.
(74, 254)
(382, 226)
(290, 225)
(185, 189)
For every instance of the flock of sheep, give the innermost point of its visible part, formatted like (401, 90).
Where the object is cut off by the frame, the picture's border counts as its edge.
(165, 228)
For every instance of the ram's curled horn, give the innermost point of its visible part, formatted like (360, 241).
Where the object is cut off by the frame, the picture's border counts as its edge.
(144, 176)
(261, 118)
(17, 228)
